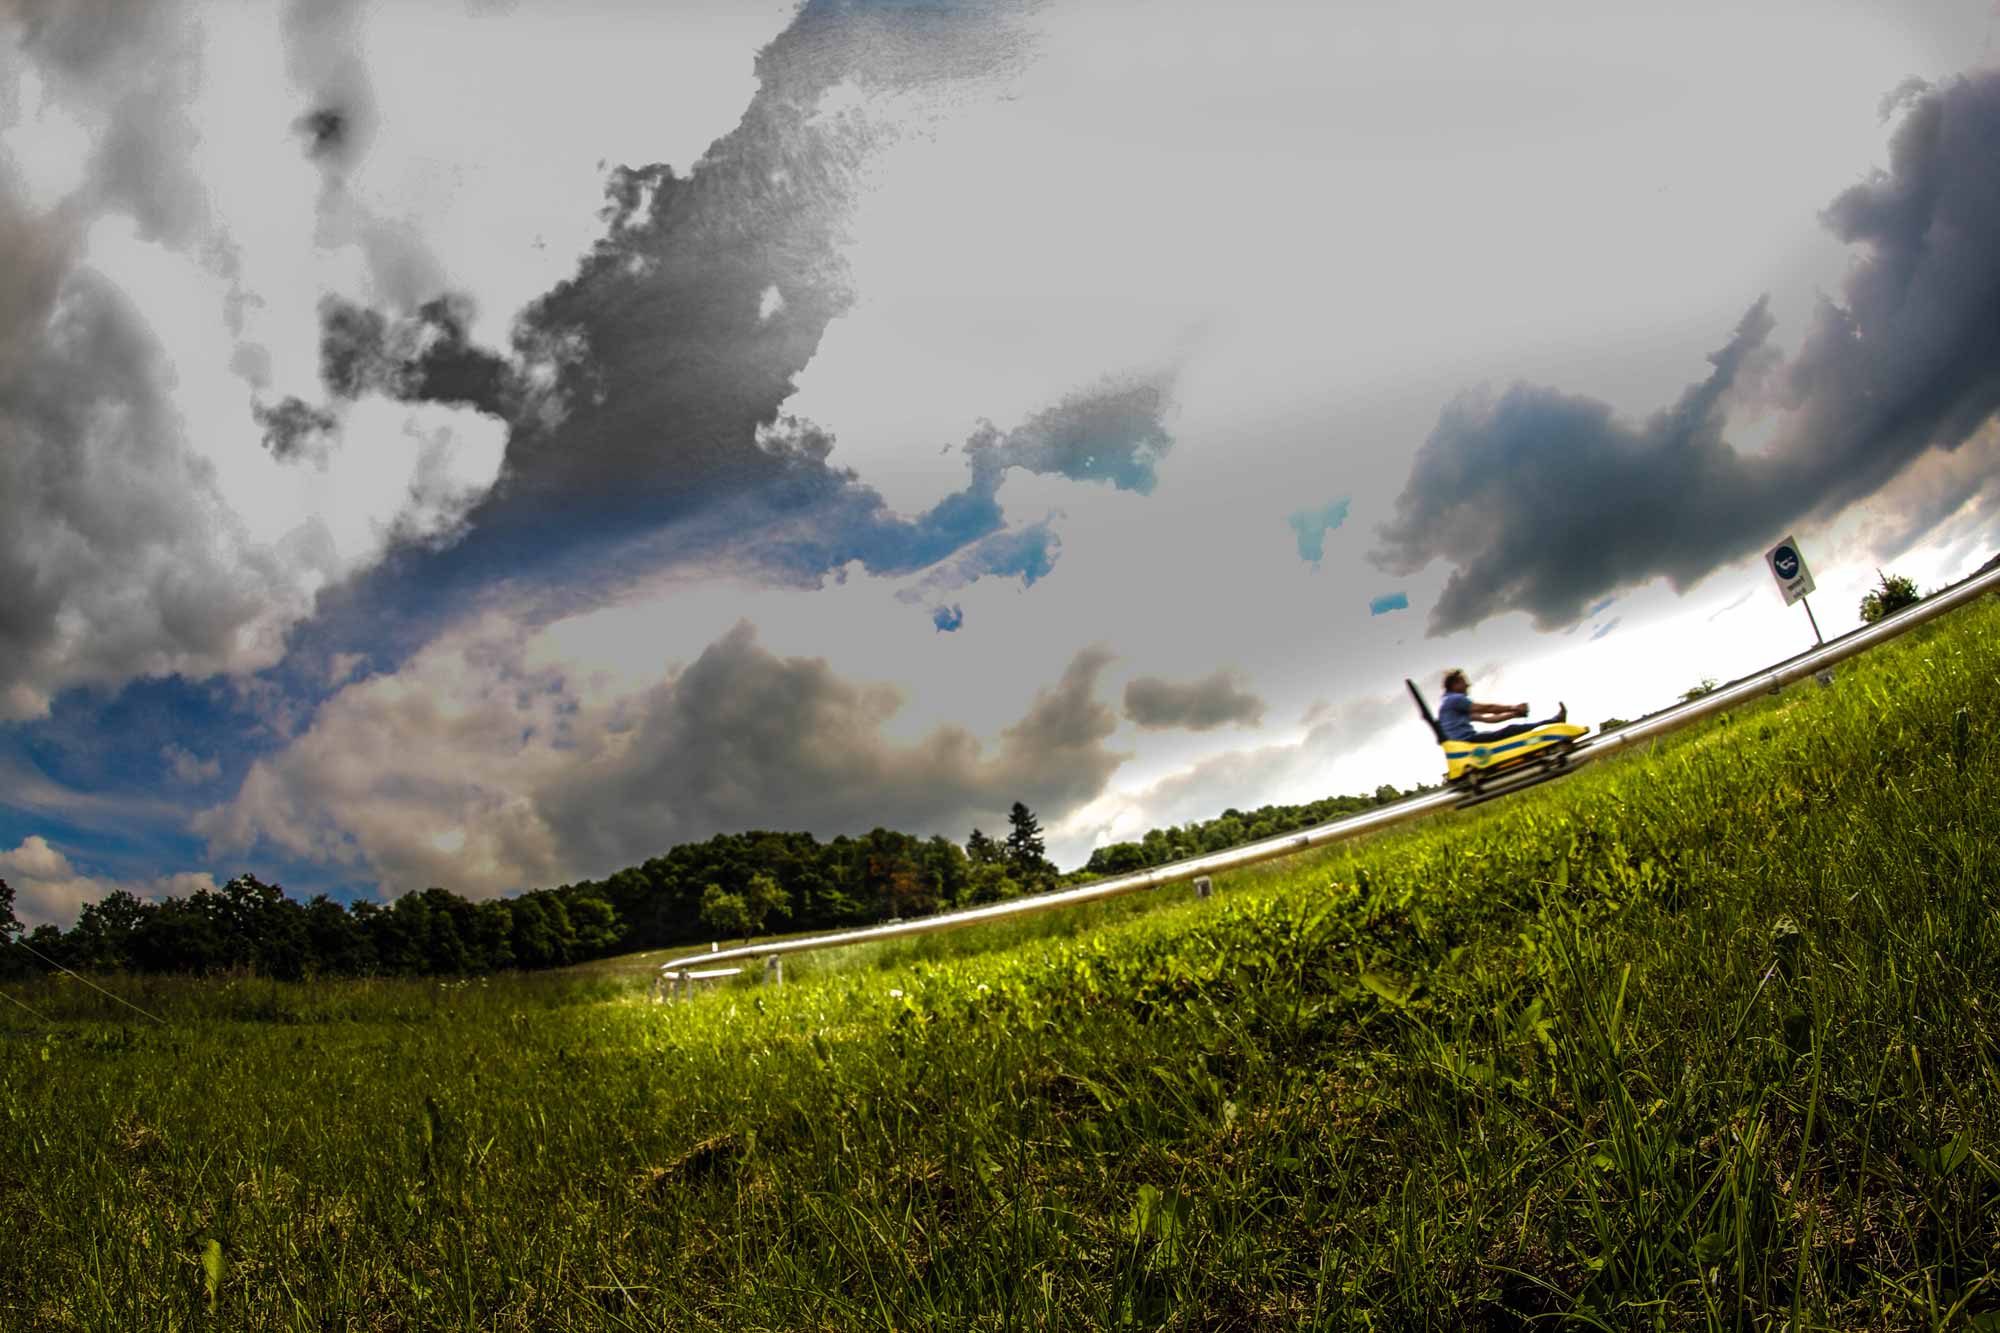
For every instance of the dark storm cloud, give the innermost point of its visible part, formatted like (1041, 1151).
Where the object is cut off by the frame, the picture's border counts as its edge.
(423, 357)
(660, 371)
(1912, 357)
(1111, 432)
(122, 530)
(136, 68)
(38, 258)
(325, 132)
(451, 369)
(354, 356)
(323, 57)
(680, 365)
(115, 541)
(427, 356)
(745, 739)
(112, 558)
(546, 782)
(107, 554)
(1543, 502)
(1199, 705)
(644, 395)
(132, 72)
(1055, 747)
(294, 429)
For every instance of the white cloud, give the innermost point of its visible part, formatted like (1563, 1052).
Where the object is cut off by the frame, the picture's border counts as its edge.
(147, 531)
(50, 890)
(458, 739)
(489, 762)
(188, 768)
(151, 531)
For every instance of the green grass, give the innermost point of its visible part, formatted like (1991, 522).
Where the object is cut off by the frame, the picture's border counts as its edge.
(1703, 1037)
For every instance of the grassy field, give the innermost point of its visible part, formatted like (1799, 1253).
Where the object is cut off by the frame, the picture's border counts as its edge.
(1706, 1037)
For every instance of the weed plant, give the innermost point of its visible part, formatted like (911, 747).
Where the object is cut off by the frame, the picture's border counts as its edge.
(1702, 1037)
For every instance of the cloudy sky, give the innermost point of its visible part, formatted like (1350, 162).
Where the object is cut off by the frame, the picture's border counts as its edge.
(487, 442)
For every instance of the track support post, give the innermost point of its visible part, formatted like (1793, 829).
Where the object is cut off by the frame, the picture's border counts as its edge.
(1203, 886)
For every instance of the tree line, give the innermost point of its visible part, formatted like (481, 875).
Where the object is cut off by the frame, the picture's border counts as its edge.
(732, 885)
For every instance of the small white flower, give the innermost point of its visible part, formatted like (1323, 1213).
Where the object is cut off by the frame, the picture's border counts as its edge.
(895, 995)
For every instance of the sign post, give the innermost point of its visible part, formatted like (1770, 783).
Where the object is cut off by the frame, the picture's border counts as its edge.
(1788, 567)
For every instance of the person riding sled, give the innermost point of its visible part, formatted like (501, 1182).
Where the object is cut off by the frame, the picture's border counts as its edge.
(1457, 712)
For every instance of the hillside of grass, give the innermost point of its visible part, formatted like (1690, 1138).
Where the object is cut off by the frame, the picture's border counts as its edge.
(1706, 1036)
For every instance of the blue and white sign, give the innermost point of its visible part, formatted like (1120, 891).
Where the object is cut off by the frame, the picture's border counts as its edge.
(1788, 567)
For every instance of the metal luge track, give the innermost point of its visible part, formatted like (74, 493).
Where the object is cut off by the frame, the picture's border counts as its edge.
(1769, 680)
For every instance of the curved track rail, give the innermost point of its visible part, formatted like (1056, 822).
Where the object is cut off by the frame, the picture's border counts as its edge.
(1766, 681)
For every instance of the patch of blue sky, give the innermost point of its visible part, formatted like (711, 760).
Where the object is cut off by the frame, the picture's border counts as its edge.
(128, 741)
(114, 781)
(1312, 525)
(1605, 628)
(948, 618)
(1029, 552)
(136, 838)
(1387, 602)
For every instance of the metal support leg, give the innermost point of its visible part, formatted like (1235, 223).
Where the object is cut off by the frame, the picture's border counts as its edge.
(1203, 886)
(774, 971)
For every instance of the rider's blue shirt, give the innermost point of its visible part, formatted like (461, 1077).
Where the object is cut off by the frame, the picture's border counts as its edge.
(1455, 717)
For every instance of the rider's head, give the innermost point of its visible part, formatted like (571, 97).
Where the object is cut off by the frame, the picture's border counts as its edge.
(1455, 681)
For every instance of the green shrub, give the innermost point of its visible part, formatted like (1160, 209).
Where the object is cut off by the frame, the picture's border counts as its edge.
(1893, 594)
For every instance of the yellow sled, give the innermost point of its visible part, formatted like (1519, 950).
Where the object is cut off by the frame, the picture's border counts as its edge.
(1532, 755)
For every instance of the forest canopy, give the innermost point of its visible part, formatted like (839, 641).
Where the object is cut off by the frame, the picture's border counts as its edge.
(733, 884)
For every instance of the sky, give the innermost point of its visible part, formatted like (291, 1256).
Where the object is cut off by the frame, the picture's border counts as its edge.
(485, 443)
